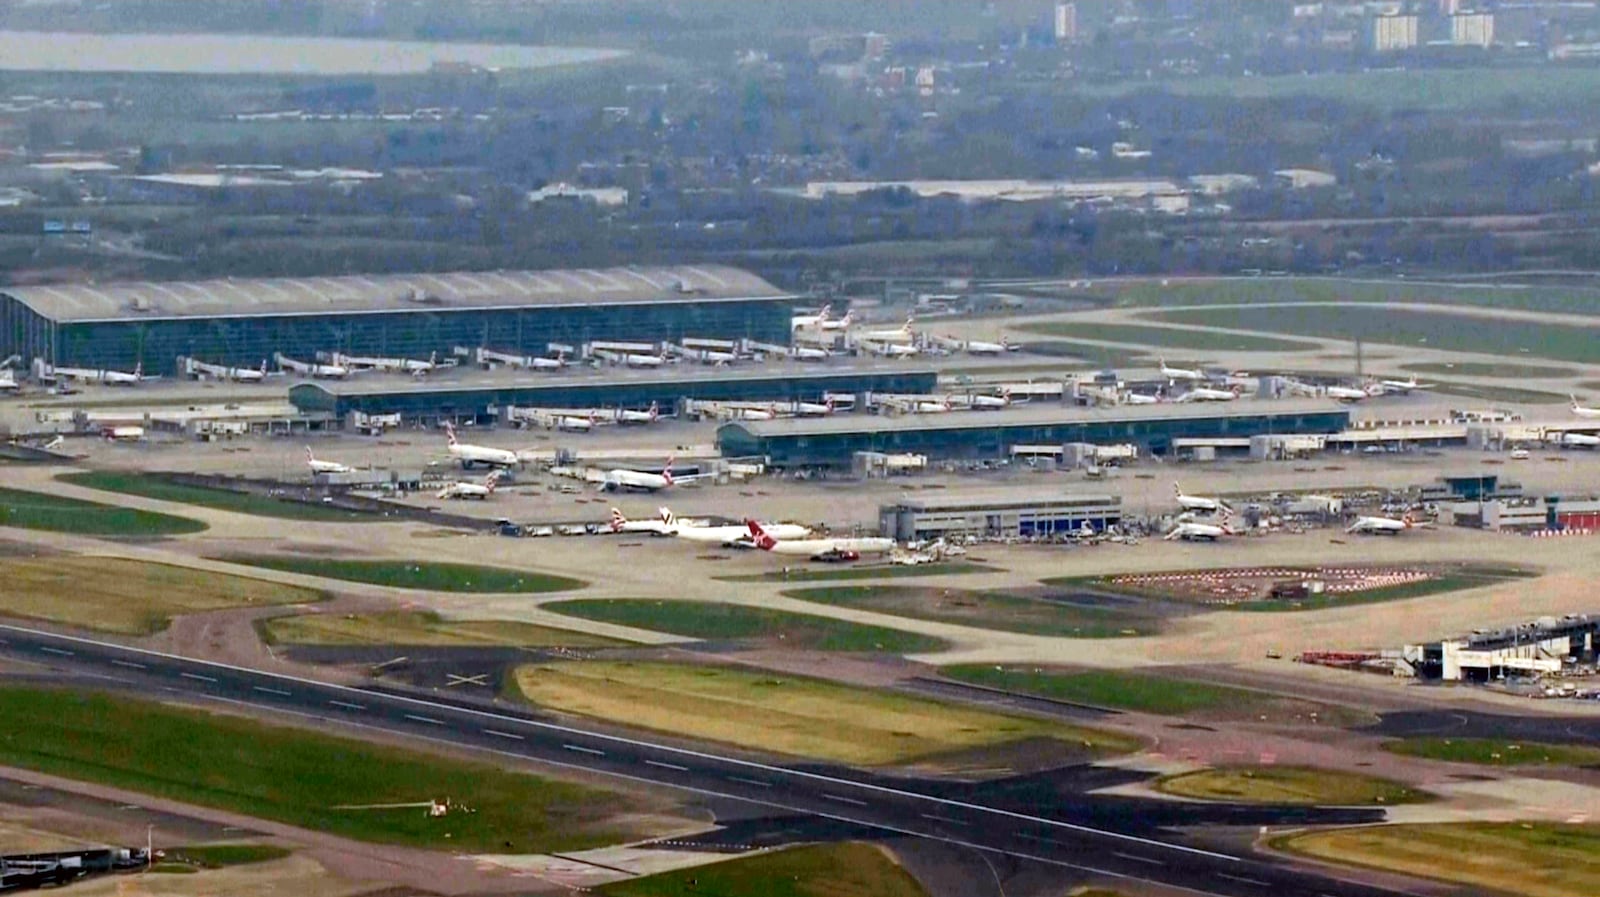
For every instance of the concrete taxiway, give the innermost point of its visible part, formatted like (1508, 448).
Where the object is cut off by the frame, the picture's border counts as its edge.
(1044, 822)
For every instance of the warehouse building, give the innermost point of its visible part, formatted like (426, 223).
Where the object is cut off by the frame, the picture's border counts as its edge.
(485, 396)
(243, 322)
(1544, 646)
(1007, 514)
(831, 441)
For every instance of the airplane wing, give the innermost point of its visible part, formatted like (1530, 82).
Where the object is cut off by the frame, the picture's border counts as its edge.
(1356, 527)
(1177, 533)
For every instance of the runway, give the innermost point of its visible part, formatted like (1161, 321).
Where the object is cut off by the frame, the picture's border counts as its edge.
(1043, 819)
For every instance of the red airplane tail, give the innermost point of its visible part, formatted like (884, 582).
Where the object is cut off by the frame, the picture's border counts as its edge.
(617, 520)
(666, 472)
(450, 433)
(760, 537)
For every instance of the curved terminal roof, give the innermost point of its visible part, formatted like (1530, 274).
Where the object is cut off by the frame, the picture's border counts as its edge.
(136, 300)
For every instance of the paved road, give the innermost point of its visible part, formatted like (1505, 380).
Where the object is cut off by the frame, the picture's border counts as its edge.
(1115, 838)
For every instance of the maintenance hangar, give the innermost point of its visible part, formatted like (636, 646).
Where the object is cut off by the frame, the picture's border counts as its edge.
(1002, 514)
(831, 441)
(481, 396)
(242, 322)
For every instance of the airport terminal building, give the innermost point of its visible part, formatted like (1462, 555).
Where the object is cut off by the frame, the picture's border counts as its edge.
(485, 395)
(972, 435)
(1002, 513)
(246, 321)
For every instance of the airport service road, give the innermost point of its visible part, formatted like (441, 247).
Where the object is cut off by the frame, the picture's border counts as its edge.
(1118, 846)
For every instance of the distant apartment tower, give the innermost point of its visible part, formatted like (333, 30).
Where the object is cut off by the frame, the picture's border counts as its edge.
(1472, 29)
(1392, 33)
(1066, 22)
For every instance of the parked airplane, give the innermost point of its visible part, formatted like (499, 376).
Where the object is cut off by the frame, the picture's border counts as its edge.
(196, 368)
(818, 549)
(813, 409)
(980, 401)
(1190, 530)
(1197, 502)
(1172, 373)
(325, 466)
(808, 353)
(122, 434)
(469, 455)
(1579, 440)
(975, 347)
(1382, 526)
(1354, 394)
(463, 490)
(648, 416)
(833, 324)
(621, 524)
(1139, 398)
(46, 372)
(1403, 386)
(488, 357)
(622, 479)
(1581, 411)
(312, 369)
(736, 534)
(902, 334)
(394, 365)
(894, 350)
(798, 322)
(1207, 394)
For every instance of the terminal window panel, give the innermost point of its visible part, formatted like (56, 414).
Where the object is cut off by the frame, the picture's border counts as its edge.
(415, 334)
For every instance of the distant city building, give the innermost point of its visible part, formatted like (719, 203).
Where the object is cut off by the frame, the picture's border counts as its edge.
(876, 45)
(1304, 178)
(1066, 22)
(1449, 7)
(1472, 29)
(604, 196)
(1392, 33)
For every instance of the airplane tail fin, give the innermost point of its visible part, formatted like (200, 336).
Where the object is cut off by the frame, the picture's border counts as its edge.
(310, 458)
(450, 433)
(617, 520)
(1177, 490)
(655, 410)
(667, 517)
(491, 481)
(666, 472)
(762, 540)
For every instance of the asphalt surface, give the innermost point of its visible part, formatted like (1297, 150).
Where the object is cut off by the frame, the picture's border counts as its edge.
(1044, 819)
(1584, 730)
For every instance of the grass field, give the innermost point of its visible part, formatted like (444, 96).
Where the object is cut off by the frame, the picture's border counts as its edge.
(1404, 326)
(717, 621)
(424, 575)
(300, 777)
(159, 487)
(1469, 576)
(850, 869)
(1411, 88)
(1536, 859)
(1170, 337)
(1255, 291)
(788, 715)
(1114, 689)
(1453, 581)
(1499, 393)
(1289, 785)
(221, 856)
(1083, 355)
(1509, 370)
(1495, 752)
(36, 510)
(875, 571)
(985, 610)
(420, 628)
(128, 596)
